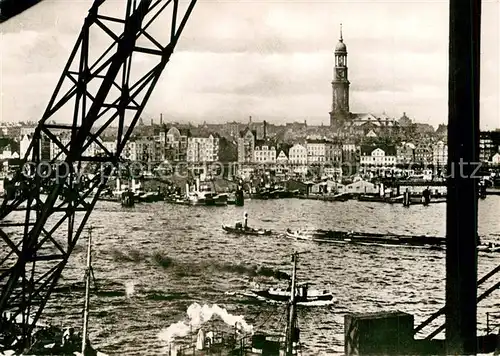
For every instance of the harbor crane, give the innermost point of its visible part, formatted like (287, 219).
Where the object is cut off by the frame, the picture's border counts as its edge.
(99, 88)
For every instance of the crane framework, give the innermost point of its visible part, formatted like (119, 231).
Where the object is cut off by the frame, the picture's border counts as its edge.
(107, 81)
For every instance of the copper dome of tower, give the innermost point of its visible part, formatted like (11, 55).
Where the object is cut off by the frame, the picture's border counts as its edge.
(341, 47)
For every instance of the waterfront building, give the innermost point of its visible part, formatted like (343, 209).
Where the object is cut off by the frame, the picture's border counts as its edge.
(297, 158)
(204, 148)
(317, 151)
(57, 153)
(176, 143)
(110, 146)
(350, 152)
(246, 146)
(489, 142)
(332, 172)
(282, 163)
(360, 187)
(334, 154)
(423, 153)
(440, 154)
(326, 187)
(405, 153)
(495, 160)
(24, 144)
(142, 150)
(282, 157)
(55, 150)
(264, 153)
(373, 156)
(8, 154)
(297, 155)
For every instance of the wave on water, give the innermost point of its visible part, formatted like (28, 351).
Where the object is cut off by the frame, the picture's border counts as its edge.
(131, 255)
(162, 260)
(129, 289)
(249, 270)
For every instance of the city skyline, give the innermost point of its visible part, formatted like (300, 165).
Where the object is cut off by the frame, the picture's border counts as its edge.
(272, 61)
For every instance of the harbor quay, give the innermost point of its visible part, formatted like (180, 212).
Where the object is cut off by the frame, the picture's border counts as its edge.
(174, 181)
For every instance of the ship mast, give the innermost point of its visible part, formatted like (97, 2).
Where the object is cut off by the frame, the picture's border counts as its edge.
(292, 314)
(87, 292)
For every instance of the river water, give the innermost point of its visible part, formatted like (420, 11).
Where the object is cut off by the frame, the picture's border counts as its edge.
(153, 261)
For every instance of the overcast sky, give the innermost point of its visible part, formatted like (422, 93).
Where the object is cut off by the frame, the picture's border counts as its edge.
(268, 59)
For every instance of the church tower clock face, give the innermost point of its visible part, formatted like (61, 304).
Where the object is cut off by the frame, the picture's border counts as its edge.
(340, 73)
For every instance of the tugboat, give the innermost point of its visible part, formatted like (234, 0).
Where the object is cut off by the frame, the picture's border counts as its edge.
(303, 295)
(243, 229)
(205, 195)
(239, 230)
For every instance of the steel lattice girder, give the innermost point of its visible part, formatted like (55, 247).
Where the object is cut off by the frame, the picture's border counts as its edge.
(37, 231)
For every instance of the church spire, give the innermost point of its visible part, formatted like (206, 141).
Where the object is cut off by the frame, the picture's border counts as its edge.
(341, 39)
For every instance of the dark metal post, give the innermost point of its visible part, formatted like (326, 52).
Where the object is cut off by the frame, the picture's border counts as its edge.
(487, 323)
(463, 144)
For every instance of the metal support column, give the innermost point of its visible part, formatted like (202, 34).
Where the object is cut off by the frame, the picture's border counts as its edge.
(463, 158)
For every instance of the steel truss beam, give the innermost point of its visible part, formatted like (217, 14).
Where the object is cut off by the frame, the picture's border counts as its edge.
(41, 224)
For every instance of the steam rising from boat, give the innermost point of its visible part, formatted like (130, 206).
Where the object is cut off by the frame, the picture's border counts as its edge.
(197, 315)
(129, 289)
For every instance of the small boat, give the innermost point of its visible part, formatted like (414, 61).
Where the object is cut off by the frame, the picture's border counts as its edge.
(148, 197)
(299, 235)
(248, 231)
(303, 295)
(179, 201)
(195, 198)
(491, 247)
(221, 199)
(231, 199)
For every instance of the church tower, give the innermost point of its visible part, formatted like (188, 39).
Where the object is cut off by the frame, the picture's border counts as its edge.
(340, 85)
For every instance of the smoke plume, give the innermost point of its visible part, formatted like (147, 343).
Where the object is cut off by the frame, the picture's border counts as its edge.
(197, 315)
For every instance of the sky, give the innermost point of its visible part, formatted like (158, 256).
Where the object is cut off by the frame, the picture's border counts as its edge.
(272, 60)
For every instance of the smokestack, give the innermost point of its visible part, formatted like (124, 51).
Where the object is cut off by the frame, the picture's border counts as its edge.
(161, 119)
(250, 119)
(265, 127)
(151, 122)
